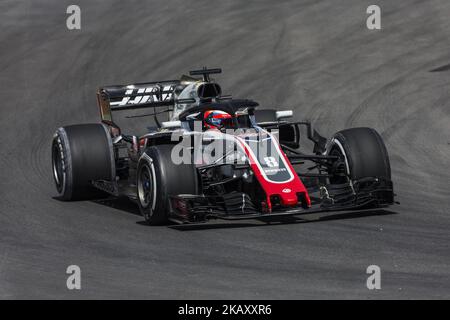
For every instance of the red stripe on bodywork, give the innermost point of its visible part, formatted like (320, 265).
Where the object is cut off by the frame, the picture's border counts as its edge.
(288, 198)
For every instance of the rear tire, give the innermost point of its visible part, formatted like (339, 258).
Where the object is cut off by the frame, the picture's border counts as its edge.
(158, 177)
(363, 152)
(80, 154)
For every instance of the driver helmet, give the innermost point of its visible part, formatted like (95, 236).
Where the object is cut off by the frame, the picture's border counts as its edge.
(213, 119)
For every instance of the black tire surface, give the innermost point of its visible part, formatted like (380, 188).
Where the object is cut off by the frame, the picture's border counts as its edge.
(86, 154)
(168, 179)
(365, 152)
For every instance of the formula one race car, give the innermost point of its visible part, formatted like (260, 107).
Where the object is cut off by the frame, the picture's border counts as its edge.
(216, 157)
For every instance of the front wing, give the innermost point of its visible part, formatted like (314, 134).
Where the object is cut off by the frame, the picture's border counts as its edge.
(365, 193)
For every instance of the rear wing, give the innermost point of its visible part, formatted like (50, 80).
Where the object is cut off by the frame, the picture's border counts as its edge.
(135, 96)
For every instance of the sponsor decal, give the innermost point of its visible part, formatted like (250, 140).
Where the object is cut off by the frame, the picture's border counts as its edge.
(149, 94)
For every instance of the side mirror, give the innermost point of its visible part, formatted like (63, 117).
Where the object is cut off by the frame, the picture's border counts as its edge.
(289, 135)
(171, 124)
(284, 114)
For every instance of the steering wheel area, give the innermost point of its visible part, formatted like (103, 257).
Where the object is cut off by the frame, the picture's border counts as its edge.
(228, 106)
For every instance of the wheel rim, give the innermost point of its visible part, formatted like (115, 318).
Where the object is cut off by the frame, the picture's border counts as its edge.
(58, 166)
(336, 151)
(145, 187)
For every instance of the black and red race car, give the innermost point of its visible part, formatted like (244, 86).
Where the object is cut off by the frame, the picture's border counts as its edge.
(216, 157)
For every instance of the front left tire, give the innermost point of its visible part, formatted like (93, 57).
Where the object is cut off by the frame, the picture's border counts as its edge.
(363, 152)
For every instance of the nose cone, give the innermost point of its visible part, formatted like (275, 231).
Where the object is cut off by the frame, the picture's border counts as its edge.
(288, 197)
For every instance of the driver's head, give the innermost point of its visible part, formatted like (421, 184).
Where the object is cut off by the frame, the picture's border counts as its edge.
(213, 119)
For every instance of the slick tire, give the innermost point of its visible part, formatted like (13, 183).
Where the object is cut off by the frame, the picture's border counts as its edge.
(158, 177)
(363, 151)
(80, 154)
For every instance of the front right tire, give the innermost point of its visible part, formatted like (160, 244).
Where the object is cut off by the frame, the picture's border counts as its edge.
(158, 177)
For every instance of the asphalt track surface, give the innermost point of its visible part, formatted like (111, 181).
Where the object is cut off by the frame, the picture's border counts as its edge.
(316, 57)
